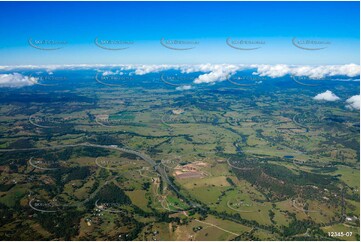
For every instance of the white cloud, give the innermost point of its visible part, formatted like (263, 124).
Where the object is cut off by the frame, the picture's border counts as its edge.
(350, 70)
(353, 102)
(197, 68)
(220, 72)
(212, 73)
(326, 96)
(217, 73)
(183, 88)
(16, 80)
(108, 73)
(315, 72)
(272, 70)
(146, 69)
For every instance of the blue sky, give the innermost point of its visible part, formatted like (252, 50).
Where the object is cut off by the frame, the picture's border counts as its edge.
(209, 23)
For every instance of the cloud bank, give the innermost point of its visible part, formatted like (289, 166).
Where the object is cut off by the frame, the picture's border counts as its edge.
(313, 72)
(212, 73)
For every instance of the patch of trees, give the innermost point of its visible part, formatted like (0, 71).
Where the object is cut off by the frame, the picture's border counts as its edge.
(324, 169)
(21, 144)
(21, 232)
(296, 227)
(230, 181)
(304, 230)
(272, 188)
(105, 140)
(278, 182)
(92, 152)
(6, 214)
(6, 187)
(271, 215)
(62, 224)
(128, 156)
(111, 193)
(77, 173)
(146, 186)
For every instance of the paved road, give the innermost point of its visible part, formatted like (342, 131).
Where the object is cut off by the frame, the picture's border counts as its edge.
(158, 168)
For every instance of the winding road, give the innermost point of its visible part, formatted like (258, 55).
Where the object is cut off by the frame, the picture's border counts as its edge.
(160, 170)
